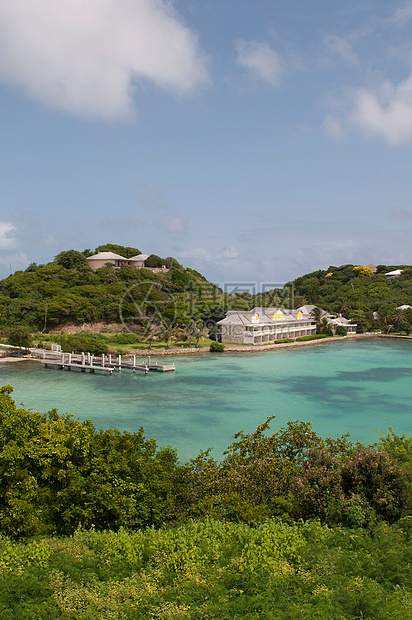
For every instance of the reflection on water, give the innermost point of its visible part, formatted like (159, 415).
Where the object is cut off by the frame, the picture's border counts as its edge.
(355, 387)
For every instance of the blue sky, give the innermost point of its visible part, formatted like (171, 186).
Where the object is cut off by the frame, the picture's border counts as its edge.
(254, 141)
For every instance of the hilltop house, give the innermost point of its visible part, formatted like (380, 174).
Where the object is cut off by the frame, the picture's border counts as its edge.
(392, 275)
(101, 258)
(265, 325)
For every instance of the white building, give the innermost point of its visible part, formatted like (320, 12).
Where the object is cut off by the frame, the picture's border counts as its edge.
(101, 258)
(265, 325)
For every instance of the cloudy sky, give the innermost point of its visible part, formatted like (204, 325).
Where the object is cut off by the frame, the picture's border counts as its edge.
(252, 140)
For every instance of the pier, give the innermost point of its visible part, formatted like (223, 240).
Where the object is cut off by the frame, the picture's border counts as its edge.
(85, 362)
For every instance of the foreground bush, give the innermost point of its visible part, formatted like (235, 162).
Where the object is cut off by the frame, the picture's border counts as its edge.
(210, 570)
(295, 474)
(57, 473)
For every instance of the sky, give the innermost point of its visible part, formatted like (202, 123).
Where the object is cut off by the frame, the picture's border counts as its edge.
(252, 140)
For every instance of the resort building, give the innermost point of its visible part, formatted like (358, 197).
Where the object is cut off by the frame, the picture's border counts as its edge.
(265, 325)
(101, 258)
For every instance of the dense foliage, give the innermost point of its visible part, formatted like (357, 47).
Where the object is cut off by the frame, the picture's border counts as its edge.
(211, 570)
(295, 474)
(67, 290)
(57, 473)
(20, 337)
(357, 293)
(287, 525)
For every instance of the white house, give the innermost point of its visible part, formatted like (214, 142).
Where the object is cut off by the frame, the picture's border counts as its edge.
(265, 325)
(101, 258)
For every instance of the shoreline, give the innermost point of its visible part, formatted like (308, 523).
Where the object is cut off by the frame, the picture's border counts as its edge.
(252, 349)
(228, 348)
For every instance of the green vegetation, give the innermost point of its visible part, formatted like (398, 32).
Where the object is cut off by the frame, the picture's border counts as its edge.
(357, 293)
(208, 570)
(20, 337)
(313, 337)
(287, 525)
(57, 473)
(217, 347)
(176, 304)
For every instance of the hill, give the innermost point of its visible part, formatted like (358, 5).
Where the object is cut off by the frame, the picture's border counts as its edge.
(358, 293)
(67, 291)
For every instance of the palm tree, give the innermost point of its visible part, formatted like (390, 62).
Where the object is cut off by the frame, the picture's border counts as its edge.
(397, 316)
(152, 331)
(200, 331)
(316, 315)
(342, 306)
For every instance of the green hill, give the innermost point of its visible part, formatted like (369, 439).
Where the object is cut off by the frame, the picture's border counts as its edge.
(357, 293)
(67, 290)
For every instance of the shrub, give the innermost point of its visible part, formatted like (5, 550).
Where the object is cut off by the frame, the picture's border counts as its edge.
(154, 261)
(217, 347)
(20, 337)
(314, 337)
(122, 338)
(83, 342)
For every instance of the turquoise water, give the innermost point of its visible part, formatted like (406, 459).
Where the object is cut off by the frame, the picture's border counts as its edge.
(347, 386)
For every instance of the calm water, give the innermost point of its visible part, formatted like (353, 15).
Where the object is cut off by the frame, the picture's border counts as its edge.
(355, 387)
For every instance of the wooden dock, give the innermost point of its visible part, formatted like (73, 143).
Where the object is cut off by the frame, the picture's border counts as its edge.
(85, 362)
(76, 366)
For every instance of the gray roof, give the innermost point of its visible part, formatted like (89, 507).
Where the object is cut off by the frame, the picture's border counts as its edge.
(106, 256)
(139, 257)
(244, 317)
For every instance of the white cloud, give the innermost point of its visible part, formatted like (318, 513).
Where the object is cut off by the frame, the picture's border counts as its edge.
(230, 252)
(7, 235)
(402, 15)
(174, 224)
(50, 240)
(342, 48)
(13, 262)
(260, 59)
(87, 58)
(385, 112)
(196, 254)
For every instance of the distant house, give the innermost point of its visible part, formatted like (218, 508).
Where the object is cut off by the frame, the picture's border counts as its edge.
(101, 258)
(392, 275)
(265, 325)
(137, 261)
(372, 267)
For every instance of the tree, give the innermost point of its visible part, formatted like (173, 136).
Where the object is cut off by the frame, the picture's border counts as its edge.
(57, 473)
(20, 337)
(122, 250)
(316, 315)
(72, 259)
(154, 261)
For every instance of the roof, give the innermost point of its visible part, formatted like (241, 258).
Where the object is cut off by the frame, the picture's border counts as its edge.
(397, 272)
(106, 256)
(139, 257)
(244, 317)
